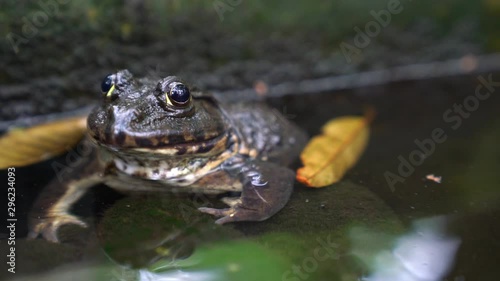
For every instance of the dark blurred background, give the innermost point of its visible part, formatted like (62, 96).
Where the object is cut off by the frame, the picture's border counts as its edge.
(55, 53)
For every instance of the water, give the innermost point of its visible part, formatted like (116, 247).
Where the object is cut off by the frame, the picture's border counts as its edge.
(380, 222)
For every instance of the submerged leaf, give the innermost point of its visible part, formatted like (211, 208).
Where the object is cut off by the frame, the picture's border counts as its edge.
(328, 156)
(21, 147)
(228, 261)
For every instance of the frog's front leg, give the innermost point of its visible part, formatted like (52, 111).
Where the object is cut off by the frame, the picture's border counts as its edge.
(51, 209)
(266, 190)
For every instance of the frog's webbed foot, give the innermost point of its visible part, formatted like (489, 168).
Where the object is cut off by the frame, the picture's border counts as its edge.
(51, 209)
(48, 226)
(266, 190)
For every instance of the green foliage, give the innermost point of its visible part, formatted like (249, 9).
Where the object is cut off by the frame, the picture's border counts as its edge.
(238, 260)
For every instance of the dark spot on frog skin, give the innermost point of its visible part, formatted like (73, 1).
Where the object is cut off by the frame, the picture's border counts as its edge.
(140, 174)
(143, 142)
(109, 169)
(181, 151)
(176, 139)
(107, 133)
(204, 148)
(120, 138)
(156, 171)
(181, 180)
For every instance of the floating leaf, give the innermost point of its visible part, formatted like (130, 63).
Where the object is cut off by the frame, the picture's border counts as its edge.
(21, 147)
(328, 156)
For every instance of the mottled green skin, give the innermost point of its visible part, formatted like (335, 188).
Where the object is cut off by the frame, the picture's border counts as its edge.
(145, 142)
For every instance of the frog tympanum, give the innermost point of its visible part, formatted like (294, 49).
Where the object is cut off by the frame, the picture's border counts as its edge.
(151, 135)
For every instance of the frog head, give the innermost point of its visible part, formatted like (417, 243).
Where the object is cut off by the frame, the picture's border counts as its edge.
(163, 116)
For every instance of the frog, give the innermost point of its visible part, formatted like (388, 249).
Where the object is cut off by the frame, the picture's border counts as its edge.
(162, 135)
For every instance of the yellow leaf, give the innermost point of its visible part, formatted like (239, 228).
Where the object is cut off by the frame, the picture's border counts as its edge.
(21, 147)
(327, 157)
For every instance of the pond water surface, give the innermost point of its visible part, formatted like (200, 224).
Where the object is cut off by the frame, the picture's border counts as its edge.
(395, 216)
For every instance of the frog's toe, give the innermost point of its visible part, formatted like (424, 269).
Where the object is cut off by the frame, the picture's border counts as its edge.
(232, 201)
(215, 212)
(234, 214)
(48, 226)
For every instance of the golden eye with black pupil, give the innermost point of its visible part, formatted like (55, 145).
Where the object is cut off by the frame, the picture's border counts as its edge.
(108, 86)
(178, 95)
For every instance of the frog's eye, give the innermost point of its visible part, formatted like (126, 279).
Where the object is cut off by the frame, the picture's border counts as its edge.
(178, 94)
(108, 86)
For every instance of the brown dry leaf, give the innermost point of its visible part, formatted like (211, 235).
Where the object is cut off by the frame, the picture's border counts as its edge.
(21, 147)
(328, 156)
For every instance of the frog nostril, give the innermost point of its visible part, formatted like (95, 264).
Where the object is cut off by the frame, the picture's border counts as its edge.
(137, 114)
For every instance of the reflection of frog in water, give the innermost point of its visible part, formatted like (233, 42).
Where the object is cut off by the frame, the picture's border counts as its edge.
(158, 136)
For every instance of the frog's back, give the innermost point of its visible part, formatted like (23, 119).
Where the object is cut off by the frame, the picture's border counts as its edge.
(265, 133)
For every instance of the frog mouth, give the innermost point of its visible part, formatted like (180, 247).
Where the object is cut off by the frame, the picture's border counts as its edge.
(160, 142)
(207, 147)
(212, 146)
